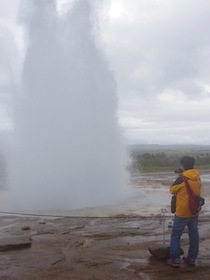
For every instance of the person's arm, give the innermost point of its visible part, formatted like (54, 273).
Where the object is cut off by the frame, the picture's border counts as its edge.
(176, 186)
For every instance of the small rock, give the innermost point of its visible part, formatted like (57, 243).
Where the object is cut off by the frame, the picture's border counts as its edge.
(26, 228)
(14, 243)
(162, 252)
(170, 225)
(42, 222)
(65, 232)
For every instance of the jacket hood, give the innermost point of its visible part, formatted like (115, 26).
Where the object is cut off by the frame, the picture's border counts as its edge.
(192, 174)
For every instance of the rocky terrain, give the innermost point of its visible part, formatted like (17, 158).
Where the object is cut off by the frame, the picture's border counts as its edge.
(93, 248)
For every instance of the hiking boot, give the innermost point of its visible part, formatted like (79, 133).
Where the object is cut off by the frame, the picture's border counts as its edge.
(173, 263)
(188, 261)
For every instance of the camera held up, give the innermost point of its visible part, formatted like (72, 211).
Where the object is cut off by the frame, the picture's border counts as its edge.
(178, 171)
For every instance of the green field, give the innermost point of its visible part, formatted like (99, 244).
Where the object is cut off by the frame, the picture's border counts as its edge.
(161, 158)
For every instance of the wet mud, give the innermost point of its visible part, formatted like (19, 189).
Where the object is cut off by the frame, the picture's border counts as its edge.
(96, 248)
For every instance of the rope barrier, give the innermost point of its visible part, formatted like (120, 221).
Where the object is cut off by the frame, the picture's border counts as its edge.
(35, 215)
(119, 216)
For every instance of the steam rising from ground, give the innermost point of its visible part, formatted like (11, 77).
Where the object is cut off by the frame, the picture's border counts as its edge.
(68, 150)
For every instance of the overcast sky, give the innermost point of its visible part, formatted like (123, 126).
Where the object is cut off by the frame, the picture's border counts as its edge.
(159, 51)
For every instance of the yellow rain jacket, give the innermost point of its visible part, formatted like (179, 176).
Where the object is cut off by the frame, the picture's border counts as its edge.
(179, 189)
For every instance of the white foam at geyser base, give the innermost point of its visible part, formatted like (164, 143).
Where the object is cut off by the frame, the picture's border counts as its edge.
(67, 150)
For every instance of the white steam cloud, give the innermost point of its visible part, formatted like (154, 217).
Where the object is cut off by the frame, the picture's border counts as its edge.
(68, 150)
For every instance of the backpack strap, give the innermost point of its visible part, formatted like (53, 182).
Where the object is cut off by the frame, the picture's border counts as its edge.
(189, 190)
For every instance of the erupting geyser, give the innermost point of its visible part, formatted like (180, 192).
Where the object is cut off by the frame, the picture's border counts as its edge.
(68, 150)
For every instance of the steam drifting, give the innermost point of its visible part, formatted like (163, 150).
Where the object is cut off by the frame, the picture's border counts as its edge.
(68, 147)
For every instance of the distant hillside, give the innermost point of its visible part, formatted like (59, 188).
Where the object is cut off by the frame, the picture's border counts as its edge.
(175, 147)
(156, 158)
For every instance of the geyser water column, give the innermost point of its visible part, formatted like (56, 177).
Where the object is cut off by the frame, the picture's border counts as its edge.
(68, 151)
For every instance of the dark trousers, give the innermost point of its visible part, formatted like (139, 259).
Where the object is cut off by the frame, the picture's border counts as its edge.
(178, 227)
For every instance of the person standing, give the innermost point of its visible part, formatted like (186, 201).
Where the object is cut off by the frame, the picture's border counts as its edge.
(183, 216)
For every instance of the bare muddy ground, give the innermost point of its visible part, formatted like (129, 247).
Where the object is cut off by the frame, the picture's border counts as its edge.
(95, 248)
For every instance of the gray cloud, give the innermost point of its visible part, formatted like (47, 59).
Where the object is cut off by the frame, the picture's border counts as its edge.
(160, 53)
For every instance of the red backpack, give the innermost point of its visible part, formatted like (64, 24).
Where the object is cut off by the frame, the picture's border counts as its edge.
(195, 202)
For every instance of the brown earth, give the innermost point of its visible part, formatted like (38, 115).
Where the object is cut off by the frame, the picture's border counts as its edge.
(95, 248)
